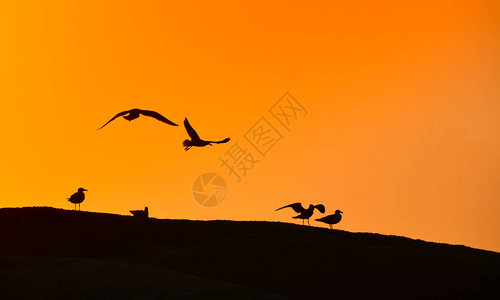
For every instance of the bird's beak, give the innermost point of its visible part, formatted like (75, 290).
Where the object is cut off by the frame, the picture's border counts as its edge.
(341, 212)
(84, 189)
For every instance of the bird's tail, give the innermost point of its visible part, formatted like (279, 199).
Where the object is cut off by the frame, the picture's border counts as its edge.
(221, 141)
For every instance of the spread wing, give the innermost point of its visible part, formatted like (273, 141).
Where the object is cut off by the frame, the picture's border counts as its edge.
(157, 116)
(320, 207)
(118, 115)
(297, 207)
(192, 133)
(223, 141)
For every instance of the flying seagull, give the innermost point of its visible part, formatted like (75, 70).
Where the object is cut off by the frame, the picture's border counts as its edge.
(304, 213)
(195, 139)
(77, 197)
(332, 219)
(143, 214)
(135, 113)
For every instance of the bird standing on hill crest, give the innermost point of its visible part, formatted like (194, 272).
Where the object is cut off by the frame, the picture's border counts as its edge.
(304, 213)
(144, 214)
(332, 219)
(77, 197)
(135, 113)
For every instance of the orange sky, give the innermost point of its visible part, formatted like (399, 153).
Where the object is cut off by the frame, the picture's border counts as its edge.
(402, 131)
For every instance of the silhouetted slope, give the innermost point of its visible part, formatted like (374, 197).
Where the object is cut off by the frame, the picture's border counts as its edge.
(71, 278)
(291, 260)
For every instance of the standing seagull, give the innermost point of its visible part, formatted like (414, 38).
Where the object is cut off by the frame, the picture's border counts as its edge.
(143, 214)
(304, 213)
(77, 197)
(332, 219)
(195, 139)
(135, 113)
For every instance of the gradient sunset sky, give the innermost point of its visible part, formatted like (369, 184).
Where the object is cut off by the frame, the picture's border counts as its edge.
(402, 131)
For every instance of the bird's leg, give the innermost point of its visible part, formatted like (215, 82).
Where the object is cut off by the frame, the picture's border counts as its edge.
(187, 148)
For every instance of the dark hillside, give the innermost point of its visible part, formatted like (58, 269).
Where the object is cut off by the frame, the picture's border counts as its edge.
(79, 278)
(291, 260)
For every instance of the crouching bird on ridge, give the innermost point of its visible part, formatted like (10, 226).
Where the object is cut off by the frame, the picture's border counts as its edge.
(143, 214)
(135, 113)
(331, 219)
(304, 213)
(77, 197)
(195, 139)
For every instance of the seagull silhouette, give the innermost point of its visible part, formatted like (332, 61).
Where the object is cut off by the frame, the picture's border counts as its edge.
(77, 197)
(304, 213)
(141, 213)
(195, 139)
(332, 219)
(135, 113)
